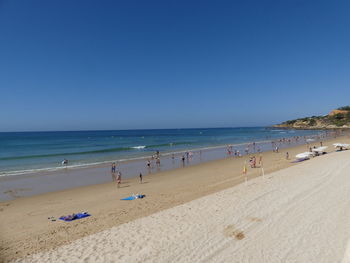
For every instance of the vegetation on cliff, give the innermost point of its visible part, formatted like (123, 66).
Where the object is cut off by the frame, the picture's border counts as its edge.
(336, 119)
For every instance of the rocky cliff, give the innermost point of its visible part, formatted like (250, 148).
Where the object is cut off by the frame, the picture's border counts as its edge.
(338, 118)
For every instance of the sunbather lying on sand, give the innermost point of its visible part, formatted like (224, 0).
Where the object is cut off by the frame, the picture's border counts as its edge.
(69, 217)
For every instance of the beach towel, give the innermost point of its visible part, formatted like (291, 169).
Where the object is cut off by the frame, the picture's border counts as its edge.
(133, 197)
(74, 216)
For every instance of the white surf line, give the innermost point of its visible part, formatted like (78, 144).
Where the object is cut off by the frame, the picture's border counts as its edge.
(299, 214)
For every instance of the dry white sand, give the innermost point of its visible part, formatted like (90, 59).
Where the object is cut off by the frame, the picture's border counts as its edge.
(299, 214)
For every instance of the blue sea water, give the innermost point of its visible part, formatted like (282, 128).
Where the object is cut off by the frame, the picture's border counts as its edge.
(23, 152)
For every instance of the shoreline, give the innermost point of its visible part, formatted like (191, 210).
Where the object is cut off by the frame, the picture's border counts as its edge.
(163, 190)
(131, 158)
(24, 185)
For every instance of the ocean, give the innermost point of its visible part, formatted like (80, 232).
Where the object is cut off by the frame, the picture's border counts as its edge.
(30, 152)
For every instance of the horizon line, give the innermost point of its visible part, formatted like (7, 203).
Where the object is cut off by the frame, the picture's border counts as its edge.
(87, 130)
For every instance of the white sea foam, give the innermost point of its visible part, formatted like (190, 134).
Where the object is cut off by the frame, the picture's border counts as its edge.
(139, 147)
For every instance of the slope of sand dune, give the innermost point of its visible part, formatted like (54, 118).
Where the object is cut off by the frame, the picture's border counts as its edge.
(299, 214)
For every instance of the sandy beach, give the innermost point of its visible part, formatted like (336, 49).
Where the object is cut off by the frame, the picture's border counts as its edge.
(202, 213)
(174, 131)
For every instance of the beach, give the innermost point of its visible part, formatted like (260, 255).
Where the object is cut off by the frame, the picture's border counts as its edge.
(31, 162)
(206, 204)
(171, 131)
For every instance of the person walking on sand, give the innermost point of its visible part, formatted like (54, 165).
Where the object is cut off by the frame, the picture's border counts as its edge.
(287, 155)
(140, 178)
(251, 162)
(119, 178)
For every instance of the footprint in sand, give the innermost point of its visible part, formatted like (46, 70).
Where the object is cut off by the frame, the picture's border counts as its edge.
(230, 231)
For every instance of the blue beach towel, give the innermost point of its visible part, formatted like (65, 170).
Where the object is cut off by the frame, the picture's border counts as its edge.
(133, 197)
(74, 217)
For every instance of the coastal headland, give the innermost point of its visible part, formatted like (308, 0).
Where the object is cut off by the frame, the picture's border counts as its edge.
(336, 119)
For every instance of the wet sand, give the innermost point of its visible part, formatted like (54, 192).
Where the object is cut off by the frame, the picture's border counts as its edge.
(25, 228)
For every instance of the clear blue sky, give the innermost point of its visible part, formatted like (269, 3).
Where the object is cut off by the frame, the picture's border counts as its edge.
(71, 65)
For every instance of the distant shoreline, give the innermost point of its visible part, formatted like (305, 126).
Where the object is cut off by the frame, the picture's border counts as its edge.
(309, 128)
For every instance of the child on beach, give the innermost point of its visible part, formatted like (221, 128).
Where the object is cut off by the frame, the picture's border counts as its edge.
(140, 178)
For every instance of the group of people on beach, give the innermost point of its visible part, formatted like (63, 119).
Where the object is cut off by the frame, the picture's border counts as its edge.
(231, 151)
(156, 159)
(117, 175)
(251, 148)
(253, 162)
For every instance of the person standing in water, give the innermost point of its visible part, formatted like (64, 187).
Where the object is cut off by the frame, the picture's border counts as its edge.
(113, 167)
(140, 178)
(149, 168)
(113, 172)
